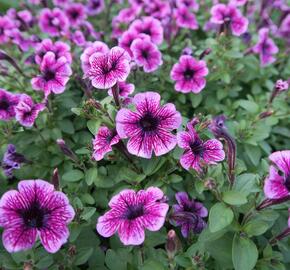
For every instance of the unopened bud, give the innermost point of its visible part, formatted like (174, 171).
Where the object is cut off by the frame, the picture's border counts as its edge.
(204, 53)
(172, 244)
(72, 250)
(27, 266)
(55, 179)
(210, 184)
(66, 150)
(265, 114)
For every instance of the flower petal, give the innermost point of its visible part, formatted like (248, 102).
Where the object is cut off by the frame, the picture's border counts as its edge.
(131, 232)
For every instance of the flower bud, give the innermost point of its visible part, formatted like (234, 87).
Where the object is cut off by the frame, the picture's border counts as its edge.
(207, 51)
(66, 150)
(55, 179)
(172, 244)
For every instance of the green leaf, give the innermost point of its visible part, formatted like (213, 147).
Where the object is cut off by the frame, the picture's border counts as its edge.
(66, 126)
(220, 216)
(256, 227)
(254, 154)
(91, 175)
(114, 262)
(248, 105)
(88, 212)
(234, 197)
(73, 176)
(83, 255)
(244, 253)
(152, 264)
(44, 262)
(93, 126)
(246, 183)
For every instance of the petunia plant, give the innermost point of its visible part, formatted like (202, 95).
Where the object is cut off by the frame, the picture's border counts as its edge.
(144, 135)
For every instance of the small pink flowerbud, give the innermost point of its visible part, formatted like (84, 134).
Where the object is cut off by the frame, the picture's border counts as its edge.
(172, 244)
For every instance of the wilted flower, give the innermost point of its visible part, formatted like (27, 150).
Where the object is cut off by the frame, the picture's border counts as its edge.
(75, 13)
(281, 85)
(149, 127)
(11, 160)
(229, 15)
(125, 89)
(197, 152)
(96, 47)
(188, 214)
(53, 22)
(185, 18)
(265, 47)
(109, 68)
(59, 49)
(26, 111)
(277, 185)
(189, 74)
(54, 75)
(103, 142)
(8, 102)
(36, 209)
(146, 54)
(149, 26)
(131, 213)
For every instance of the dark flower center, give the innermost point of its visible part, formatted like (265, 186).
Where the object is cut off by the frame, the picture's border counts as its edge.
(148, 122)
(34, 216)
(197, 148)
(74, 14)
(49, 75)
(4, 104)
(147, 31)
(134, 211)
(188, 74)
(145, 54)
(287, 182)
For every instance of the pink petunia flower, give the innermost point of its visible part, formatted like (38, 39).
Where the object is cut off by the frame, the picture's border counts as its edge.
(149, 127)
(238, 2)
(189, 74)
(75, 13)
(189, 4)
(265, 47)
(131, 213)
(125, 89)
(277, 185)
(103, 142)
(53, 22)
(26, 111)
(8, 102)
(59, 48)
(158, 9)
(126, 40)
(35, 210)
(197, 152)
(95, 7)
(96, 47)
(222, 14)
(185, 18)
(149, 26)
(146, 54)
(109, 68)
(6, 24)
(54, 75)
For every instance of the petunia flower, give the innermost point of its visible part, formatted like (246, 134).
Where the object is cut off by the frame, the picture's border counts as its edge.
(185, 18)
(125, 89)
(149, 127)
(131, 213)
(53, 22)
(222, 14)
(189, 74)
(265, 47)
(95, 7)
(97, 46)
(158, 9)
(6, 24)
(188, 214)
(197, 152)
(35, 210)
(26, 111)
(189, 4)
(127, 39)
(109, 68)
(55, 73)
(146, 54)
(59, 48)
(8, 102)
(75, 13)
(277, 184)
(103, 142)
(149, 26)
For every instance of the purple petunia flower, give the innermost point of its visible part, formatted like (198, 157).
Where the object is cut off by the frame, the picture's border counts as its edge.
(149, 26)
(6, 25)
(125, 89)
(197, 152)
(54, 75)
(146, 54)
(103, 142)
(127, 39)
(96, 47)
(53, 22)
(189, 74)
(109, 68)
(158, 9)
(131, 213)
(238, 2)
(149, 127)
(188, 4)
(281, 85)
(277, 185)
(76, 13)
(229, 15)
(284, 29)
(265, 47)
(59, 48)
(8, 102)
(95, 7)
(188, 214)
(36, 209)
(11, 160)
(26, 111)
(185, 19)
